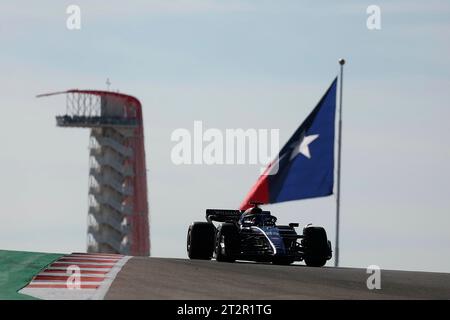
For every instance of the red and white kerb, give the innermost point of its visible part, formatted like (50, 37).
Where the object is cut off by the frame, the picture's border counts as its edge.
(78, 276)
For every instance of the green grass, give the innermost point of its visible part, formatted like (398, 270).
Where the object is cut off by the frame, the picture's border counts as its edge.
(17, 268)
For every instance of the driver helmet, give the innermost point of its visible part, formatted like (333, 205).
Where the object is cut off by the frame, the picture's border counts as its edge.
(253, 210)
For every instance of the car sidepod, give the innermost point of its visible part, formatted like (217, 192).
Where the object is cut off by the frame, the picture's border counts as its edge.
(274, 238)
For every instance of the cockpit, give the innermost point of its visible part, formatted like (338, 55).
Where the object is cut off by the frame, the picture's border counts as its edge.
(263, 219)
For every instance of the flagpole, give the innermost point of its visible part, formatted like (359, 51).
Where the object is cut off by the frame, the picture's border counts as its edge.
(338, 191)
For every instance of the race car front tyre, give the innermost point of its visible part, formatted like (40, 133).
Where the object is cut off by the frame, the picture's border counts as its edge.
(316, 246)
(200, 240)
(315, 261)
(226, 243)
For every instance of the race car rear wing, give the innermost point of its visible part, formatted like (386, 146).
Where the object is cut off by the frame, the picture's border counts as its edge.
(222, 215)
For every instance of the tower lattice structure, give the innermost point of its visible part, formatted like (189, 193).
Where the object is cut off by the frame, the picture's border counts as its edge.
(118, 217)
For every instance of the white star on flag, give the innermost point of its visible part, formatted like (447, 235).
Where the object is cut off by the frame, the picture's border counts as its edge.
(303, 146)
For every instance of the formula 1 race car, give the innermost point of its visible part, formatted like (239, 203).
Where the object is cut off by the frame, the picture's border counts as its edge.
(254, 235)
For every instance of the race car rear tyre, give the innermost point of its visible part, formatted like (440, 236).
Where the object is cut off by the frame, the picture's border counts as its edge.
(316, 246)
(200, 240)
(226, 243)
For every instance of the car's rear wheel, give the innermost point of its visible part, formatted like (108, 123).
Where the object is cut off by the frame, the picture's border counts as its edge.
(227, 242)
(200, 240)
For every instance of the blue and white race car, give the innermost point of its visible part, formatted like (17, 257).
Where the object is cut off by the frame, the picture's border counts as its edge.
(254, 235)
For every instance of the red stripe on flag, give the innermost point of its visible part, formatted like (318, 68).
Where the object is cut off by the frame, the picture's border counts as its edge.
(259, 192)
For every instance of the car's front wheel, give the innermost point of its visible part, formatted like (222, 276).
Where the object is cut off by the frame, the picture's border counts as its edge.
(316, 246)
(315, 261)
(226, 243)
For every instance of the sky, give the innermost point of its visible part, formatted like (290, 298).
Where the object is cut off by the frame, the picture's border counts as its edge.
(234, 64)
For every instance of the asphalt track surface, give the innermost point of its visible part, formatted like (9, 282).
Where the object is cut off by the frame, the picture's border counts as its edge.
(161, 278)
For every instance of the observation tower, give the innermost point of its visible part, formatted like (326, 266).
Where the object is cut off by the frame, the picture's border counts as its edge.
(118, 217)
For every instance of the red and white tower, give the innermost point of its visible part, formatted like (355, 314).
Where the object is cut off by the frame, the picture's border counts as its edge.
(118, 217)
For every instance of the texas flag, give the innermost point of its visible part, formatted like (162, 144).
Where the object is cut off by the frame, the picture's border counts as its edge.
(304, 167)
